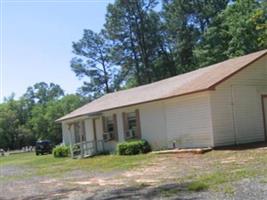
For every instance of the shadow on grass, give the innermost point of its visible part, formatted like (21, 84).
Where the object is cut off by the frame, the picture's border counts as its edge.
(173, 191)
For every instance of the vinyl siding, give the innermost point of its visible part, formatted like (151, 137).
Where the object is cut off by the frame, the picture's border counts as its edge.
(152, 124)
(236, 106)
(184, 119)
(188, 121)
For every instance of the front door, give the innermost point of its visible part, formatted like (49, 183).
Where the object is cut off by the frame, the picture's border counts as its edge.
(264, 107)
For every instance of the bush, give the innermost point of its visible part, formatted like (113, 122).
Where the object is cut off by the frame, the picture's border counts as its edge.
(133, 147)
(61, 151)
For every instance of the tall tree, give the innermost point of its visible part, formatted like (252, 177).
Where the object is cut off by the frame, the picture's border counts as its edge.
(93, 61)
(136, 30)
(240, 29)
(186, 21)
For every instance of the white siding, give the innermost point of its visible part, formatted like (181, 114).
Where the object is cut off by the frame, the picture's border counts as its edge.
(236, 106)
(152, 124)
(188, 121)
(183, 119)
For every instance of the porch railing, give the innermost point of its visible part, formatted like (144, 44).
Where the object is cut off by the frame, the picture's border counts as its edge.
(87, 148)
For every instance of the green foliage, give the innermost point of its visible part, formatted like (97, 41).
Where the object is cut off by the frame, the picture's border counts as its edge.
(133, 147)
(61, 151)
(239, 29)
(42, 93)
(13, 129)
(94, 61)
(140, 44)
(32, 117)
(186, 21)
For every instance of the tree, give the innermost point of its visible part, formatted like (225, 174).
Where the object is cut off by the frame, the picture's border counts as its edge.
(43, 117)
(94, 62)
(33, 116)
(57, 109)
(186, 21)
(13, 132)
(240, 29)
(137, 33)
(42, 93)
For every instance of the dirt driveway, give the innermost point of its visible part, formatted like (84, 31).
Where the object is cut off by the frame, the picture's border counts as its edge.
(180, 176)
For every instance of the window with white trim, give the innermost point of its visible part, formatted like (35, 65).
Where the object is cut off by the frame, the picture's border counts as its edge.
(109, 128)
(131, 124)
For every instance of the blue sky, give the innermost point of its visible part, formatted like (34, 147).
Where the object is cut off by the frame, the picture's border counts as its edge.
(37, 38)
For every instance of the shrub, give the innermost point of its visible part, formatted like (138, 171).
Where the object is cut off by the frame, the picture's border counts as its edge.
(61, 151)
(133, 147)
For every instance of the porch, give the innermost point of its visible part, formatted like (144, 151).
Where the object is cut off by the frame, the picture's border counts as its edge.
(84, 137)
(91, 135)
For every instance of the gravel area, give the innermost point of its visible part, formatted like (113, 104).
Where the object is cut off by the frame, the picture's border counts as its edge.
(246, 189)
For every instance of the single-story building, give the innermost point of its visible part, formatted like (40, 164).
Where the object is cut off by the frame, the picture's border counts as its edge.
(222, 104)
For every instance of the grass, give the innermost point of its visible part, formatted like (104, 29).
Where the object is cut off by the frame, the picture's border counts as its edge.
(197, 186)
(47, 165)
(216, 170)
(227, 167)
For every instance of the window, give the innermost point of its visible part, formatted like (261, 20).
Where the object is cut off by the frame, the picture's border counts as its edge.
(109, 127)
(131, 117)
(131, 125)
(79, 132)
(110, 124)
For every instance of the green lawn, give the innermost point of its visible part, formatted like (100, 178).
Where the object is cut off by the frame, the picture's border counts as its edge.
(47, 165)
(227, 167)
(208, 171)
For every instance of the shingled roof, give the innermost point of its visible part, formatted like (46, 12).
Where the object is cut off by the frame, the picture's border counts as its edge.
(196, 81)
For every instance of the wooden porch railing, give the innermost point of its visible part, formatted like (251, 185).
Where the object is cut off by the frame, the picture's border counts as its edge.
(87, 149)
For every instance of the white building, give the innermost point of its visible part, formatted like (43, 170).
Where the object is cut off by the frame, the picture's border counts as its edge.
(223, 104)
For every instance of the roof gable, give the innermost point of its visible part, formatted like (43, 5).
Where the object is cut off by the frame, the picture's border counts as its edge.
(196, 81)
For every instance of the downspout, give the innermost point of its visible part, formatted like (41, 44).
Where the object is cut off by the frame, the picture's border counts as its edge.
(233, 115)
